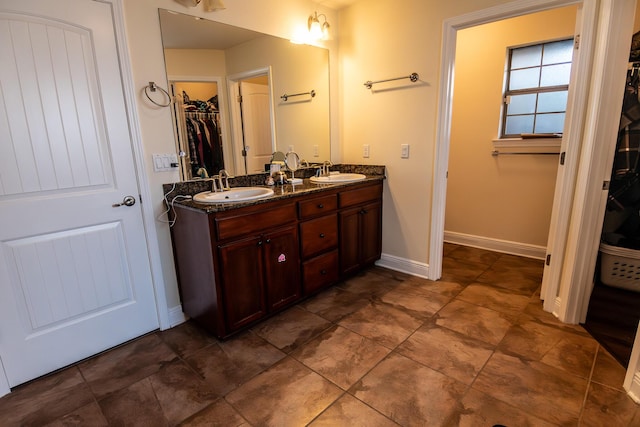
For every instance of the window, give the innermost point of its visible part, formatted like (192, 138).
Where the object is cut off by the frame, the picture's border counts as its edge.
(535, 100)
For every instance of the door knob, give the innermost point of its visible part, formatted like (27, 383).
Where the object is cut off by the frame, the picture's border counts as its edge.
(127, 201)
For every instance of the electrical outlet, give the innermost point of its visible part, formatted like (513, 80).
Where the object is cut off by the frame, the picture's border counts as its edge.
(404, 151)
(365, 151)
(315, 151)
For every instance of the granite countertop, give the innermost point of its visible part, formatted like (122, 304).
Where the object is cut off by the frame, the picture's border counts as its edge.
(191, 188)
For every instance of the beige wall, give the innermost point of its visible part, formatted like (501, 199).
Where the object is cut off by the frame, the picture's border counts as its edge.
(382, 39)
(508, 197)
(301, 121)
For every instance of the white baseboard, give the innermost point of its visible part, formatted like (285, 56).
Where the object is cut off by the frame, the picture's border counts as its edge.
(497, 245)
(634, 390)
(404, 265)
(176, 316)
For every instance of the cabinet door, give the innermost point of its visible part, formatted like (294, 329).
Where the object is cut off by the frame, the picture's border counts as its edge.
(349, 240)
(282, 267)
(370, 233)
(242, 282)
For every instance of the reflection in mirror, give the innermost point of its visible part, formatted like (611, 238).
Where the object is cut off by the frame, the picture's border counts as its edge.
(222, 58)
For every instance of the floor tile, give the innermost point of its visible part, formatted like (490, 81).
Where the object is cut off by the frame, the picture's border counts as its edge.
(382, 323)
(608, 371)
(123, 366)
(409, 393)
(45, 400)
(218, 414)
(568, 351)
(533, 387)
(88, 415)
(180, 391)
(288, 394)
(291, 328)
(372, 282)
(349, 411)
(511, 278)
(186, 339)
(480, 410)
(455, 355)
(609, 407)
(335, 303)
(137, 402)
(229, 364)
(495, 298)
(340, 355)
(415, 300)
(442, 287)
(467, 253)
(460, 271)
(474, 321)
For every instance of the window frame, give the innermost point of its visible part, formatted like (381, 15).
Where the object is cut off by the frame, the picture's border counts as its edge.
(536, 90)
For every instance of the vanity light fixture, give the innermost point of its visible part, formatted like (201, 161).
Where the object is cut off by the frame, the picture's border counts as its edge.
(213, 5)
(317, 30)
(189, 3)
(209, 5)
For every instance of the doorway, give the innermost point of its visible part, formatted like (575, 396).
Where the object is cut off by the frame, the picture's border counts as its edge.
(252, 120)
(500, 191)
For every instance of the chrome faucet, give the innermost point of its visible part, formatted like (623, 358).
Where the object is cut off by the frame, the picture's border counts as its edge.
(224, 174)
(326, 165)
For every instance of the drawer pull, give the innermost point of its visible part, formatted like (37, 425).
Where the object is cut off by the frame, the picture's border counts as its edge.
(320, 206)
(322, 235)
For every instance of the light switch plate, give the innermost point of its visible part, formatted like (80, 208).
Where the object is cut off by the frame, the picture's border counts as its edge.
(365, 151)
(404, 151)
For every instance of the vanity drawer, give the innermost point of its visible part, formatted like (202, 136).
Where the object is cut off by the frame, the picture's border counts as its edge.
(360, 195)
(320, 272)
(317, 206)
(318, 235)
(241, 223)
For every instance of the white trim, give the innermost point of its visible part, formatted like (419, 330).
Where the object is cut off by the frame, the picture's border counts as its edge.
(148, 217)
(550, 145)
(443, 130)
(176, 316)
(404, 265)
(572, 141)
(632, 378)
(611, 53)
(4, 383)
(496, 245)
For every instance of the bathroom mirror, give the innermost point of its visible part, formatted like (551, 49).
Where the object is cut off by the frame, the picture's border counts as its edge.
(221, 59)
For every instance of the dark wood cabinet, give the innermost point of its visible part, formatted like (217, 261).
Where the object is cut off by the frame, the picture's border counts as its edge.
(237, 266)
(242, 282)
(360, 228)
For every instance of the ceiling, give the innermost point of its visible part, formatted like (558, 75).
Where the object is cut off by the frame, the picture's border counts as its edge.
(180, 31)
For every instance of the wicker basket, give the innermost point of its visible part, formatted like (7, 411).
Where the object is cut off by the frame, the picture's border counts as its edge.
(620, 267)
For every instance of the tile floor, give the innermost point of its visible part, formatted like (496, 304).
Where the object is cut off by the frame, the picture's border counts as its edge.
(380, 349)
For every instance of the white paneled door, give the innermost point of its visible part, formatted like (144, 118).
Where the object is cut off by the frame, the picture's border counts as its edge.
(74, 269)
(256, 123)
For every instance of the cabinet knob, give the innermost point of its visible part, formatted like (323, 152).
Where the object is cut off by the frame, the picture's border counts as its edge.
(259, 242)
(323, 272)
(268, 240)
(320, 206)
(322, 235)
(363, 211)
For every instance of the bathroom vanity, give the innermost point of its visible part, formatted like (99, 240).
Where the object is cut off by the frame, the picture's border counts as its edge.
(238, 263)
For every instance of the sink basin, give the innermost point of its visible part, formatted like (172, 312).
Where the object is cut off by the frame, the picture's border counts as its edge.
(237, 194)
(339, 177)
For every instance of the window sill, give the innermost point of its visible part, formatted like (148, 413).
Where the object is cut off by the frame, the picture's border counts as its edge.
(537, 145)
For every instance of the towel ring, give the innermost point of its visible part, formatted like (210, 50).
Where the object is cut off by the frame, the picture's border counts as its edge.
(153, 86)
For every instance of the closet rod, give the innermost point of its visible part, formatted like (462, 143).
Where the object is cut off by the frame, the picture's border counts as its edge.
(413, 77)
(496, 153)
(311, 92)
